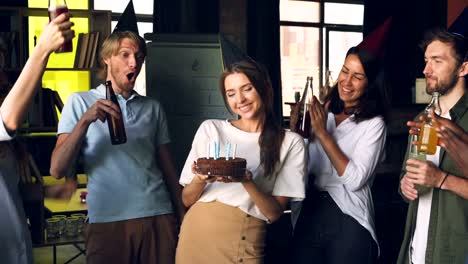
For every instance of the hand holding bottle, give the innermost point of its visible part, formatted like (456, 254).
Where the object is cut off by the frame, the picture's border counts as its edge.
(455, 141)
(426, 129)
(318, 116)
(415, 126)
(99, 110)
(116, 125)
(428, 135)
(407, 189)
(300, 120)
(445, 127)
(424, 173)
(416, 155)
(57, 32)
(294, 117)
(56, 8)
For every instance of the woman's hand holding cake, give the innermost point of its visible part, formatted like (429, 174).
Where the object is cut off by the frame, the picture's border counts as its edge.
(199, 177)
(221, 170)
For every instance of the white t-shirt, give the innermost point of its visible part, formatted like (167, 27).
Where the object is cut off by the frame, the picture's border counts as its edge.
(289, 179)
(363, 143)
(4, 135)
(419, 241)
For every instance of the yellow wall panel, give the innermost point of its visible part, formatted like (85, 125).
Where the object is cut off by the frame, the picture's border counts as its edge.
(66, 82)
(60, 60)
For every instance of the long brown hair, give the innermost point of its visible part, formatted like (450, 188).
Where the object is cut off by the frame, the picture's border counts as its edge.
(272, 134)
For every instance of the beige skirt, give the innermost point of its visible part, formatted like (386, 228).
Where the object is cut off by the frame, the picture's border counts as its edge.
(218, 233)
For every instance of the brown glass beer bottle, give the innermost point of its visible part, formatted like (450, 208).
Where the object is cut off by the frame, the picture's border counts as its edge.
(303, 124)
(116, 125)
(56, 8)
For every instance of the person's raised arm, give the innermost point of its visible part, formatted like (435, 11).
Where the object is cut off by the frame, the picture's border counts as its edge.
(16, 103)
(318, 115)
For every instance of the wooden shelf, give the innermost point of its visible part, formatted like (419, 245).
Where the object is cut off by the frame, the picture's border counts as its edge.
(12, 69)
(50, 181)
(38, 134)
(70, 69)
(37, 131)
(96, 20)
(45, 12)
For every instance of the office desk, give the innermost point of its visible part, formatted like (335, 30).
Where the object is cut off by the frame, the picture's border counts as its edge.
(60, 206)
(81, 178)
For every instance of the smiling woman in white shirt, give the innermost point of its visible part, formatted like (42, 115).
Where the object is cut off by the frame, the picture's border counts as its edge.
(336, 221)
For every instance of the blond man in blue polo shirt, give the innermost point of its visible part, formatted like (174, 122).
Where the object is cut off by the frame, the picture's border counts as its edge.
(133, 193)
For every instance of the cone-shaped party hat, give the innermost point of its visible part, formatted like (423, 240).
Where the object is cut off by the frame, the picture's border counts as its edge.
(127, 21)
(374, 43)
(460, 25)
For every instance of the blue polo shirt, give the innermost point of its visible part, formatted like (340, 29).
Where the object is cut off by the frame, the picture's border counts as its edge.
(124, 181)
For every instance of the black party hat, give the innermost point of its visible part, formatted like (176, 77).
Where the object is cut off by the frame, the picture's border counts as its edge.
(231, 53)
(127, 21)
(460, 25)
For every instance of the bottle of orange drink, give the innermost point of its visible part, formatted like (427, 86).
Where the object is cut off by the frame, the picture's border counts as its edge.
(428, 134)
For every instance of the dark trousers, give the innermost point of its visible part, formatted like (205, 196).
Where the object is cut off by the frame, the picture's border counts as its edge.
(135, 241)
(323, 234)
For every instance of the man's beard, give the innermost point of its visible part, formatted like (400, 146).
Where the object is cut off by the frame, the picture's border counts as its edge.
(444, 87)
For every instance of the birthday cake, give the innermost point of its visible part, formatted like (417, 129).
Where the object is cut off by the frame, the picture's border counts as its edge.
(234, 167)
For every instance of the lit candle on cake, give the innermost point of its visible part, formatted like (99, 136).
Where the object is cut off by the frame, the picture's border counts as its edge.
(228, 150)
(216, 150)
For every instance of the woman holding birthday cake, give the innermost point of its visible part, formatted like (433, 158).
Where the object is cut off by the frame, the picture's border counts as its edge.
(226, 222)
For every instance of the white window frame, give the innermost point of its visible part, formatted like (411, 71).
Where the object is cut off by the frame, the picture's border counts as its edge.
(324, 31)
